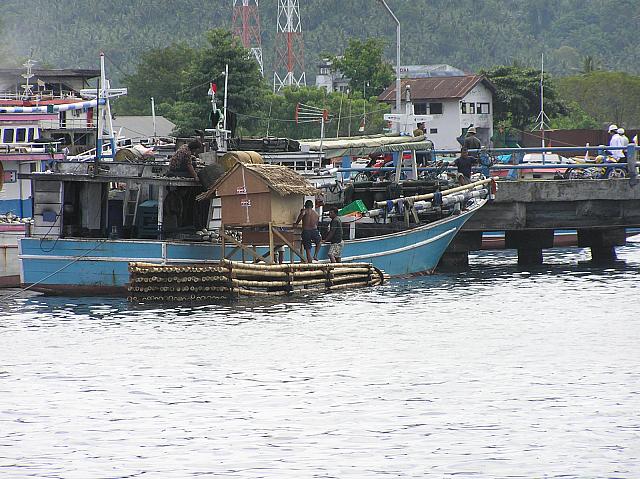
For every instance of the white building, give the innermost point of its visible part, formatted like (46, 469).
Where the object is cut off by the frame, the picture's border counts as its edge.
(329, 79)
(454, 102)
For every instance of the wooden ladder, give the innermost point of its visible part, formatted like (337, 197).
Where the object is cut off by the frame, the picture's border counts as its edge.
(130, 204)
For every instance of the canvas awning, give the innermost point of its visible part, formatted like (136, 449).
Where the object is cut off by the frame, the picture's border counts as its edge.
(366, 145)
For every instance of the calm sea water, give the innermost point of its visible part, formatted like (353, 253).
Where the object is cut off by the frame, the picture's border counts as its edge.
(497, 372)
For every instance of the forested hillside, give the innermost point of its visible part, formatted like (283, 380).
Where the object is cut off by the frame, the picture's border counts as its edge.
(469, 34)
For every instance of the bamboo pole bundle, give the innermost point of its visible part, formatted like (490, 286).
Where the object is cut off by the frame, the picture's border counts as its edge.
(308, 274)
(237, 272)
(249, 292)
(259, 284)
(429, 196)
(309, 282)
(338, 271)
(350, 278)
(194, 282)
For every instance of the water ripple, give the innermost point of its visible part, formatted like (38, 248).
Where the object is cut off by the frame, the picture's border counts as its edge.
(496, 372)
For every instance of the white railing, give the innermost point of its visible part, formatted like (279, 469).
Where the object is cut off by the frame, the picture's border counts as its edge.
(68, 124)
(40, 95)
(51, 147)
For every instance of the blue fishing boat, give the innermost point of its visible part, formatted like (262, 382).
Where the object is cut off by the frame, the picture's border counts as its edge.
(78, 244)
(99, 266)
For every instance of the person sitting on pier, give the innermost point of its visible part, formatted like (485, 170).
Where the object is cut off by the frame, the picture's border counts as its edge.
(310, 233)
(616, 140)
(181, 163)
(334, 237)
(464, 163)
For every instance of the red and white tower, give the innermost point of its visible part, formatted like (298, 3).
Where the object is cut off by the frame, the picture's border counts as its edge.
(246, 26)
(288, 69)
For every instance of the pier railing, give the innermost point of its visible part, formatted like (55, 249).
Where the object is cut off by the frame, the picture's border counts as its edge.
(487, 160)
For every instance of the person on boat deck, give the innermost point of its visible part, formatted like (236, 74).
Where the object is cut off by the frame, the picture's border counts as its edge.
(181, 163)
(421, 156)
(334, 236)
(464, 163)
(471, 141)
(615, 140)
(310, 233)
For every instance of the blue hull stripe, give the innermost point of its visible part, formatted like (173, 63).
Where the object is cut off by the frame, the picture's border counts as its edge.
(105, 263)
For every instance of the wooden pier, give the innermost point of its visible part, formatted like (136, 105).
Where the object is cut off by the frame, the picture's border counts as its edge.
(530, 211)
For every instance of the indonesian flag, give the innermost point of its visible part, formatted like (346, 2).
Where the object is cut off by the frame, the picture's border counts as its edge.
(362, 124)
(212, 89)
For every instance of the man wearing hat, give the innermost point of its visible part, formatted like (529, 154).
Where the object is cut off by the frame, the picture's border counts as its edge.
(471, 141)
(615, 140)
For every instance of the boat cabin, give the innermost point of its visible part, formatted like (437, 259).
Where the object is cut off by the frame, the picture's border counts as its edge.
(113, 200)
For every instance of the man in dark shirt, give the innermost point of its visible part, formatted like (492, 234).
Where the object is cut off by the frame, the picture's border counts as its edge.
(335, 236)
(471, 141)
(464, 163)
(181, 164)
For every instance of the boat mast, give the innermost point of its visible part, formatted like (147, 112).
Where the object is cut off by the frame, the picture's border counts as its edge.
(102, 93)
(541, 121)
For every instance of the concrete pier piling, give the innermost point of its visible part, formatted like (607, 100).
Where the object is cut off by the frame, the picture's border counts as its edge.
(530, 211)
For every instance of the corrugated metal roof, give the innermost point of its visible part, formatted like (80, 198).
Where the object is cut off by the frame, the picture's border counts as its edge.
(436, 88)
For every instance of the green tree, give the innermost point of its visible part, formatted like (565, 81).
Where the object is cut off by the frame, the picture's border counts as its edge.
(517, 98)
(589, 64)
(608, 97)
(179, 77)
(575, 118)
(162, 74)
(363, 64)
(276, 115)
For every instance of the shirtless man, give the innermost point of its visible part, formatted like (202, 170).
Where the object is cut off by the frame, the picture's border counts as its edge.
(310, 233)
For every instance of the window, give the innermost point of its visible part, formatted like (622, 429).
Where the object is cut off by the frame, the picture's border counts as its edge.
(483, 108)
(7, 135)
(435, 108)
(31, 134)
(21, 135)
(433, 131)
(468, 108)
(420, 108)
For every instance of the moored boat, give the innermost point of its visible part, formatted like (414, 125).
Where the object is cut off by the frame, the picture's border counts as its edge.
(78, 242)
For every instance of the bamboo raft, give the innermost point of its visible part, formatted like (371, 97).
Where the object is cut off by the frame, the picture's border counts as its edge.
(228, 279)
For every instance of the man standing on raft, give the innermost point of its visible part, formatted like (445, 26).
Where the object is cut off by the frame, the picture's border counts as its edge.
(310, 233)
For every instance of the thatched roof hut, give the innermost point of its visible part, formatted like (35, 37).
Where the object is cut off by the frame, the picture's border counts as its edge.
(252, 194)
(280, 179)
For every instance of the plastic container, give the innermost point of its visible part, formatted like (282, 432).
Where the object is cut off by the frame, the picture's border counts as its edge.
(356, 207)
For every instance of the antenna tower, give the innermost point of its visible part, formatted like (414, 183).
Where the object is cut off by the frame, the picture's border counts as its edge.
(246, 26)
(289, 67)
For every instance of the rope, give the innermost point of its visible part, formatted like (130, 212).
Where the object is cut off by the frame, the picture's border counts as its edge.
(4, 300)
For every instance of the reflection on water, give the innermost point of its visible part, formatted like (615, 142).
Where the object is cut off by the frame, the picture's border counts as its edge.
(496, 372)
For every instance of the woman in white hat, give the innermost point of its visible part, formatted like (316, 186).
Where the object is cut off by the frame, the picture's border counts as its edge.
(624, 139)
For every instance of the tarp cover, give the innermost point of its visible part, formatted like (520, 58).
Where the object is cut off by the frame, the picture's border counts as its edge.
(365, 145)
